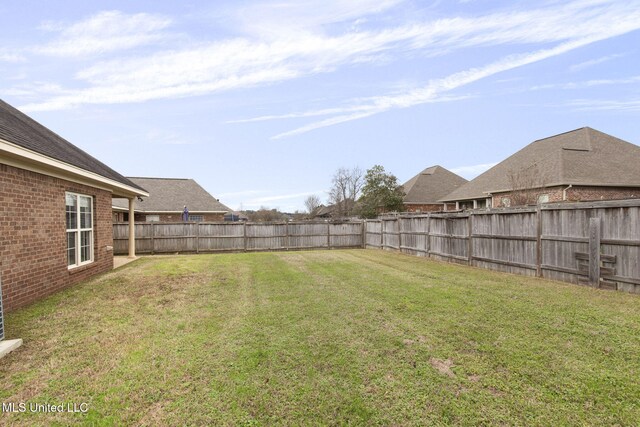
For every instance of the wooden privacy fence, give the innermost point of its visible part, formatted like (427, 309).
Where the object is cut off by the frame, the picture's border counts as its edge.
(594, 243)
(196, 237)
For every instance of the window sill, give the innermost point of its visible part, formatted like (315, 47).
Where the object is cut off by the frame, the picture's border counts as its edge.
(79, 268)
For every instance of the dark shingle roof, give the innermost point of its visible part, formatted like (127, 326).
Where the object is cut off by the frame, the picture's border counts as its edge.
(19, 129)
(171, 195)
(431, 185)
(583, 156)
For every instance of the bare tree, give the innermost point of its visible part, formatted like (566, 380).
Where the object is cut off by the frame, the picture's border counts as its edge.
(346, 187)
(526, 184)
(312, 203)
(265, 214)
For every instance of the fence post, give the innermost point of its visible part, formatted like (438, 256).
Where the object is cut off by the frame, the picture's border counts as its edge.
(286, 232)
(153, 242)
(197, 237)
(469, 240)
(539, 241)
(594, 251)
(328, 235)
(244, 236)
(428, 239)
(381, 233)
(364, 233)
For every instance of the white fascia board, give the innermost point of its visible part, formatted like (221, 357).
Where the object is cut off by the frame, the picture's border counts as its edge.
(14, 155)
(153, 211)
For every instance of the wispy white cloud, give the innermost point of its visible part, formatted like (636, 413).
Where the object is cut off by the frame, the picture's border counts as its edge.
(277, 198)
(265, 58)
(588, 83)
(437, 87)
(242, 193)
(249, 199)
(11, 57)
(157, 136)
(277, 19)
(592, 62)
(358, 106)
(470, 172)
(620, 106)
(36, 89)
(106, 31)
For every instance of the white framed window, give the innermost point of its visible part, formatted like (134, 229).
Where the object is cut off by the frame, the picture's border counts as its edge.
(79, 218)
(153, 218)
(196, 218)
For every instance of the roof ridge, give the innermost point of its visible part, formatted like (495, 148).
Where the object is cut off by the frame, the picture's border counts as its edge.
(563, 133)
(158, 177)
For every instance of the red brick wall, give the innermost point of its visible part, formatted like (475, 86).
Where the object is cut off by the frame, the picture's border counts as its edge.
(432, 207)
(33, 259)
(601, 193)
(580, 194)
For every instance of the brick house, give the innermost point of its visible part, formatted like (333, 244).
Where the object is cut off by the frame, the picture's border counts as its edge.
(55, 211)
(580, 165)
(424, 191)
(167, 199)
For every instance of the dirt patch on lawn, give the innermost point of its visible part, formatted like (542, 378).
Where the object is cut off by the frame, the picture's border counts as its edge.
(443, 366)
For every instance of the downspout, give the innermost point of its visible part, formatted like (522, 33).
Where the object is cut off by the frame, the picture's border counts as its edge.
(564, 192)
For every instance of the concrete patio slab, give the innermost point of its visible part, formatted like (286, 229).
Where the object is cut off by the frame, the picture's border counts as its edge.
(119, 261)
(7, 346)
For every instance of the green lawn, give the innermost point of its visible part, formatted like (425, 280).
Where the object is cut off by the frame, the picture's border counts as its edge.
(359, 337)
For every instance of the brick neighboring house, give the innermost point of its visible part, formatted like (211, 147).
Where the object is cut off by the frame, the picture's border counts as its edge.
(424, 191)
(580, 165)
(166, 201)
(55, 210)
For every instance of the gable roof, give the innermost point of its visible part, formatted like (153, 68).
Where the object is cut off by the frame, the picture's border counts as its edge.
(171, 195)
(430, 185)
(19, 129)
(323, 210)
(583, 156)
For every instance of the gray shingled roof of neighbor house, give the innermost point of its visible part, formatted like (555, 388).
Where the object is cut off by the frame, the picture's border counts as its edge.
(171, 195)
(430, 185)
(583, 156)
(19, 129)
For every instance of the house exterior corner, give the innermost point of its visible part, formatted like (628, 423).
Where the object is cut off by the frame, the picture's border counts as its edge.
(33, 232)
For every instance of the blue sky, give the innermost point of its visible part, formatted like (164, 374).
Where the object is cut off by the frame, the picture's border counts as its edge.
(261, 102)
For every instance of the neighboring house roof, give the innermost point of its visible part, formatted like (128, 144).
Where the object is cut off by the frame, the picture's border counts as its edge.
(583, 156)
(323, 210)
(171, 195)
(19, 129)
(431, 185)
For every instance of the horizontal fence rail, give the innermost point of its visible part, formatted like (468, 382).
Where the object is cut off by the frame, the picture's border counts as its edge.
(595, 243)
(196, 237)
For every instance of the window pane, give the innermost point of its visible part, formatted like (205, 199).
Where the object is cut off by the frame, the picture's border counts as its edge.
(72, 211)
(85, 212)
(85, 246)
(71, 248)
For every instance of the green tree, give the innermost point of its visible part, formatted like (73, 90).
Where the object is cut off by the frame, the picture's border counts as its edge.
(381, 193)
